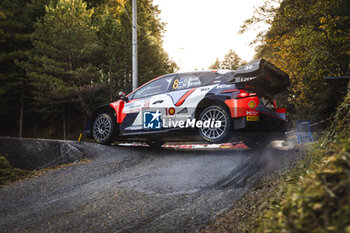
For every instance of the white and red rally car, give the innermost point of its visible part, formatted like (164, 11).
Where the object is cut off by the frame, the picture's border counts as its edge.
(212, 106)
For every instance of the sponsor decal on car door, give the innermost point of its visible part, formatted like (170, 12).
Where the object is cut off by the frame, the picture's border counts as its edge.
(133, 118)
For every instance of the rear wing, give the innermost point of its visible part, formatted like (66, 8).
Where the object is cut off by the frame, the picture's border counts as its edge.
(263, 75)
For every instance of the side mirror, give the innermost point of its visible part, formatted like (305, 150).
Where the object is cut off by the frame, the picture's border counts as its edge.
(122, 96)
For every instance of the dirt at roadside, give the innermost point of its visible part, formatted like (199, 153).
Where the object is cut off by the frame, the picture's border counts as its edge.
(237, 218)
(10, 175)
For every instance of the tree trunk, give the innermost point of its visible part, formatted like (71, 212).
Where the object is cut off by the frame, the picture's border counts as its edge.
(21, 115)
(64, 122)
(83, 104)
(69, 129)
(35, 124)
(85, 121)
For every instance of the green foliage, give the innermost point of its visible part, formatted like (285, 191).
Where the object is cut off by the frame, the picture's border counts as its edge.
(10, 174)
(16, 25)
(73, 55)
(308, 40)
(113, 62)
(153, 60)
(231, 62)
(341, 122)
(113, 18)
(216, 65)
(62, 66)
(316, 195)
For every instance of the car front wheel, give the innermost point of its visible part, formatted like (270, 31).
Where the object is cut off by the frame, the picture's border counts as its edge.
(103, 129)
(215, 133)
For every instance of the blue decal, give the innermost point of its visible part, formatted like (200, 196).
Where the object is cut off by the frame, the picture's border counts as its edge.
(152, 120)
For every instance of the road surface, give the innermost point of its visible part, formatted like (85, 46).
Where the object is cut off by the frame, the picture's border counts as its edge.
(136, 189)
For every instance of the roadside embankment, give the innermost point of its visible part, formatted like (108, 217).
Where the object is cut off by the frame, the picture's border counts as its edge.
(314, 196)
(33, 154)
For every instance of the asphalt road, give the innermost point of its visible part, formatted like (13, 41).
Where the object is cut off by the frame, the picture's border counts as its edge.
(135, 189)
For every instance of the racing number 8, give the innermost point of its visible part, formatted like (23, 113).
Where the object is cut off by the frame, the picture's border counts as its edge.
(176, 84)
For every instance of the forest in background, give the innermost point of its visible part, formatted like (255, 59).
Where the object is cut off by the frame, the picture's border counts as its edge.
(309, 40)
(60, 59)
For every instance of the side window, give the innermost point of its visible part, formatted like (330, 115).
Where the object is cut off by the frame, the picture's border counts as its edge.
(156, 87)
(191, 80)
(186, 81)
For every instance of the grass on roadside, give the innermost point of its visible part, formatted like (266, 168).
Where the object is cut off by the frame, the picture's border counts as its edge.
(315, 196)
(9, 174)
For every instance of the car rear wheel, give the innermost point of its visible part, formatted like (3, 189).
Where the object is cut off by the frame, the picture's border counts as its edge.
(103, 129)
(215, 133)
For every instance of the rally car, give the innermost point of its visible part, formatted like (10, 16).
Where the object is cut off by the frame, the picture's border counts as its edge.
(213, 106)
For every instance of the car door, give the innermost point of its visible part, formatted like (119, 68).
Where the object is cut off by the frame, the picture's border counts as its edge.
(145, 99)
(188, 89)
(169, 108)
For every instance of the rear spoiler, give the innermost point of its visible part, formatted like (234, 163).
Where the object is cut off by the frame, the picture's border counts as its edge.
(263, 75)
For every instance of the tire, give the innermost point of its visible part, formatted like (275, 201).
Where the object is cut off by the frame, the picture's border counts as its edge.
(256, 142)
(103, 129)
(214, 134)
(155, 145)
